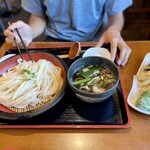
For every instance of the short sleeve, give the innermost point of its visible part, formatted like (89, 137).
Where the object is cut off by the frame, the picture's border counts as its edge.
(113, 7)
(33, 6)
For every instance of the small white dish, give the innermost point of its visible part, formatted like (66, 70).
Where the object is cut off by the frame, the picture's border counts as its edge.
(96, 51)
(6, 57)
(134, 93)
(145, 62)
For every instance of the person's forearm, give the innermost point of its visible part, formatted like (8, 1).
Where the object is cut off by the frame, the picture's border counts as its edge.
(37, 24)
(116, 21)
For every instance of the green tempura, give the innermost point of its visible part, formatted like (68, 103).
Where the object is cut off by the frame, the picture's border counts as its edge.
(143, 101)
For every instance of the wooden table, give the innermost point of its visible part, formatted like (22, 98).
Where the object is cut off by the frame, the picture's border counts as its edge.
(136, 137)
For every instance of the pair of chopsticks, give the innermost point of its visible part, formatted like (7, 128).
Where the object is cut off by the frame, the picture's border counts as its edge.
(22, 44)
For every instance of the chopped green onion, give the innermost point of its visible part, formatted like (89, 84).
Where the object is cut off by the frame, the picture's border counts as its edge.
(27, 71)
(94, 81)
(77, 82)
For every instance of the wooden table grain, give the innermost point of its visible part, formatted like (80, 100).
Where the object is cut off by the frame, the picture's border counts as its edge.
(136, 137)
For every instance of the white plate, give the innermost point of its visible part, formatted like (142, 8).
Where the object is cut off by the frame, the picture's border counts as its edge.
(134, 93)
(96, 51)
(6, 57)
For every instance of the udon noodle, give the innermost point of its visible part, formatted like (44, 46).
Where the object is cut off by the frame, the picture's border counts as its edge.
(30, 83)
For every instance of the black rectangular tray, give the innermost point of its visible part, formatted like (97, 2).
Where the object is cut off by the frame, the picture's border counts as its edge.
(71, 112)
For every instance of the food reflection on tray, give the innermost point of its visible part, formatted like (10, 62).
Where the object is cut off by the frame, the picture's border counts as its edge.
(78, 112)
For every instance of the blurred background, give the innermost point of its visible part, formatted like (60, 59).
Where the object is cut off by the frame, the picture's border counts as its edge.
(136, 27)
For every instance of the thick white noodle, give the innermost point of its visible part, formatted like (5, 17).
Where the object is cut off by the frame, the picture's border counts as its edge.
(30, 83)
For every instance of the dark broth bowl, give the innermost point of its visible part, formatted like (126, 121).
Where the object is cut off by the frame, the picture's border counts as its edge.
(92, 60)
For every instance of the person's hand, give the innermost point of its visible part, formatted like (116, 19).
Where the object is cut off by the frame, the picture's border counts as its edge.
(112, 36)
(24, 30)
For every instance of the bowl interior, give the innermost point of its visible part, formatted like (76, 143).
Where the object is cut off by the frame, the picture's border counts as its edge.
(95, 60)
(11, 62)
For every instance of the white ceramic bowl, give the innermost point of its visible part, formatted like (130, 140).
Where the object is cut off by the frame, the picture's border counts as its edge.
(97, 51)
(6, 57)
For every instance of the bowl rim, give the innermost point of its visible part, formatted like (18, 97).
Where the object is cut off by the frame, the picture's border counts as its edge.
(94, 95)
(97, 51)
(46, 106)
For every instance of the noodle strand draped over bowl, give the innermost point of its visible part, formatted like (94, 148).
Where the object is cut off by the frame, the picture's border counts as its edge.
(30, 83)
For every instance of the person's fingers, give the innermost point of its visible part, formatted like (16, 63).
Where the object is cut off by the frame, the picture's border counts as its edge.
(100, 42)
(113, 49)
(126, 57)
(8, 33)
(121, 56)
(19, 24)
(8, 40)
(125, 52)
(24, 30)
(11, 41)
